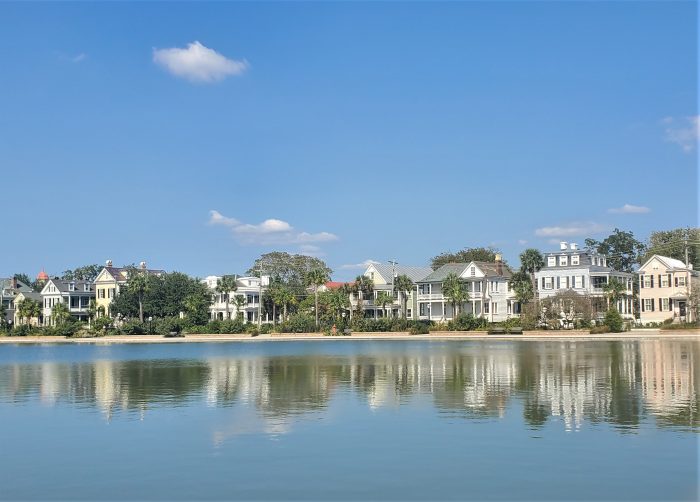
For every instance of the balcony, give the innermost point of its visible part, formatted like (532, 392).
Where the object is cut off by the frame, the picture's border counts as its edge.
(430, 297)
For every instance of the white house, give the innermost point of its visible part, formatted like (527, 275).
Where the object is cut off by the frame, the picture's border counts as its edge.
(76, 295)
(490, 295)
(585, 272)
(248, 289)
(383, 279)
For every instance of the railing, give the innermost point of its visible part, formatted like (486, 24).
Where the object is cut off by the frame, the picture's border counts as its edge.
(430, 296)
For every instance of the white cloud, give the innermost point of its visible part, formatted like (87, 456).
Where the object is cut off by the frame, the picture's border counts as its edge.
(271, 231)
(311, 250)
(571, 230)
(522, 242)
(362, 265)
(198, 63)
(629, 209)
(78, 58)
(684, 132)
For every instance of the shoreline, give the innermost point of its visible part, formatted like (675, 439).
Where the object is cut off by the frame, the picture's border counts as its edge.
(645, 334)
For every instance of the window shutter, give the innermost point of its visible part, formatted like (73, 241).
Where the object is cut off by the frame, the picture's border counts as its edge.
(583, 281)
(641, 304)
(659, 282)
(641, 281)
(558, 283)
(573, 282)
(669, 280)
(676, 281)
(652, 280)
(652, 304)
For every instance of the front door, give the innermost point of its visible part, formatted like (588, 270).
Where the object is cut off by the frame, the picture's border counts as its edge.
(681, 309)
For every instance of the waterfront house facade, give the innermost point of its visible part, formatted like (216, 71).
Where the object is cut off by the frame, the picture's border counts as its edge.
(383, 278)
(9, 289)
(490, 294)
(109, 281)
(76, 295)
(21, 297)
(665, 289)
(248, 289)
(585, 272)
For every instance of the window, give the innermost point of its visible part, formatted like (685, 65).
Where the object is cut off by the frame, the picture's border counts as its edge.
(423, 309)
(564, 283)
(551, 261)
(578, 281)
(74, 302)
(424, 289)
(647, 281)
(494, 307)
(574, 259)
(408, 313)
(664, 304)
(486, 307)
(648, 304)
(477, 287)
(494, 286)
(548, 283)
(563, 261)
(472, 272)
(664, 281)
(681, 281)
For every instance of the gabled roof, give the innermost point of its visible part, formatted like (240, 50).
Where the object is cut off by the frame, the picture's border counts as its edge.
(414, 273)
(119, 276)
(63, 286)
(6, 284)
(669, 262)
(337, 285)
(488, 268)
(30, 295)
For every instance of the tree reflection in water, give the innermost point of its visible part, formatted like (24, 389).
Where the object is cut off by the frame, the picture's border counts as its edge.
(622, 383)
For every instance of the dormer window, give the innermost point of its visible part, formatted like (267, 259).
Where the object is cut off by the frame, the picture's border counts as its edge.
(86, 287)
(574, 259)
(551, 261)
(563, 261)
(71, 286)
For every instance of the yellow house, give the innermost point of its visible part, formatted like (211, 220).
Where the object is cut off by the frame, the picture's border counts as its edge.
(22, 296)
(109, 281)
(665, 290)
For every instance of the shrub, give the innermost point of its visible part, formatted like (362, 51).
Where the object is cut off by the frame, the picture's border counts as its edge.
(102, 323)
(597, 330)
(266, 328)
(232, 326)
(252, 329)
(419, 328)
(132, 328)
(682, 325)
(298, 323)
(614, 321)
(466, 322)
(667, 321)
(21, 330)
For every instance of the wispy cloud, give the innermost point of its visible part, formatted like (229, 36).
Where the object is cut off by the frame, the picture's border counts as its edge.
(271, 232)
(572, 230)
(684, 132)
(522, 242)
(355, 266)
(629, 209)
(78, 58)
(198, 63)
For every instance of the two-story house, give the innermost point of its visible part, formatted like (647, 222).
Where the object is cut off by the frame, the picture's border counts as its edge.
(109, 281)
(244, 302)
(383, 277)
(22, 296)
(490, 294)
(665, 288)
(9, 289)
(585, 272)
(76, 295)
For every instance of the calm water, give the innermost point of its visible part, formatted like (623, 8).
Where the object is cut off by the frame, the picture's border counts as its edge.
(351, 420)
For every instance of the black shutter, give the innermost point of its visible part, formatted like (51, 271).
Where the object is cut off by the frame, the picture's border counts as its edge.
(641, 281)
(641, 304)
(669, 281)
(659, 282)
(652, 280)
(652, 304)
(558, 283)
(676, 281)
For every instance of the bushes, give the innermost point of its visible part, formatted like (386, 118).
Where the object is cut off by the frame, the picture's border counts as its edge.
(298, 323)
(614, 321)
(420, 328)
(466, 322)
(132, 328)
(681, 325)
(598, 330)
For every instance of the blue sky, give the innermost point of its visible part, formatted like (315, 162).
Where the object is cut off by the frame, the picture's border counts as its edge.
(354, 131)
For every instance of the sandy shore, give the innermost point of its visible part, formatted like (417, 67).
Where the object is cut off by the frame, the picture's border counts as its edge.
(442, 335)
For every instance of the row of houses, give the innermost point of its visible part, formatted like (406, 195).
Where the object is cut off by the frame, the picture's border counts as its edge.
(663, 288)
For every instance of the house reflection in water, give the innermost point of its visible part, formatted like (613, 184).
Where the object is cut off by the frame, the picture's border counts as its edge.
(621, 383)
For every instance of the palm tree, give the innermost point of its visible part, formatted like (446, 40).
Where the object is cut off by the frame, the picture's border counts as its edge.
(28, 309)
(240, 302)
(383, 298)
(404, 285)
(226, 285)
(531, 261)
(287, 297)
(614, 291)
(3, 315)
(60, 313)
(455, 290)
(316, 278)
(139, 283)
(92, 311)
(363, 286)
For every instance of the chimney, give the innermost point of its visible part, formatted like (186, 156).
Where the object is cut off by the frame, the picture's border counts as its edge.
(14, 283)
(573, 246)
(499, 264)
(563, 245)
(142, 265)
(108, 263)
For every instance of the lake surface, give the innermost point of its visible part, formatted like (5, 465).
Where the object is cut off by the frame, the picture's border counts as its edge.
(351, 420)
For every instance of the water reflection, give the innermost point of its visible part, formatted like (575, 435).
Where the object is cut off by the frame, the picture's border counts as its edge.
(622, 383)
